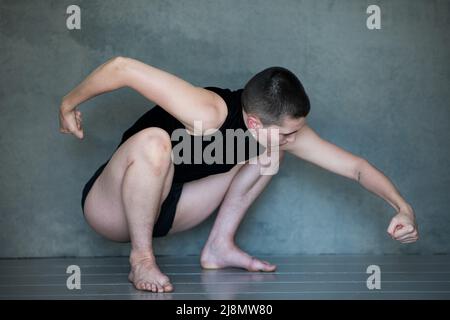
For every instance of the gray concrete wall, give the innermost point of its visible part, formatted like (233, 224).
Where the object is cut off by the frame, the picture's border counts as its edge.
(381, 94)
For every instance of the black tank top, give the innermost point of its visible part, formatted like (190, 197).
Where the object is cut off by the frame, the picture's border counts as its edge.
(185, 172)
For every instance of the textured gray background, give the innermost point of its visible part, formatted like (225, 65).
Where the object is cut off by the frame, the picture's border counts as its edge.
(382, 94)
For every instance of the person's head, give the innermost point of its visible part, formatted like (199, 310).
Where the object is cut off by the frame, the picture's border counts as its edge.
(275, 98)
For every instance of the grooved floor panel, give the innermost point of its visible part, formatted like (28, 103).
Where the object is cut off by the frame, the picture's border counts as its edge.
(296, 277)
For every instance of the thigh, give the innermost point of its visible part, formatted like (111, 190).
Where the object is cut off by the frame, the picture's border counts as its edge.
(103, 208)
(200, 198)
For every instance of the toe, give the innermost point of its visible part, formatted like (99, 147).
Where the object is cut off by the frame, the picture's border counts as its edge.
(164, 283)
(255, 265)
(259, 265)
(168, 287)
(141, 285)
(269, 266)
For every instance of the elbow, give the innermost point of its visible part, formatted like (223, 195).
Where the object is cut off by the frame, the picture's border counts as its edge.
(359, 168)
(116, 69)
(118, 64)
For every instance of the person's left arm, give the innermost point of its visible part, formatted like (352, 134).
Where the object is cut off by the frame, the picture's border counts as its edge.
(309, 146)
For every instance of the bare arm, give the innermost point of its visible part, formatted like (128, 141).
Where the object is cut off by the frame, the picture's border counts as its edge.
(103, 79)
(309, 146)
(376, 182)
(184, 101)
(403, 226)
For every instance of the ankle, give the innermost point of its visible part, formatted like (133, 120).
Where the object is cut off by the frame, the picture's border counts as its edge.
(139, 255)
(220, 242)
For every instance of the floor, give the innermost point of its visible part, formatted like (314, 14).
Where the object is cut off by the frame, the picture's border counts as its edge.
(297, 277)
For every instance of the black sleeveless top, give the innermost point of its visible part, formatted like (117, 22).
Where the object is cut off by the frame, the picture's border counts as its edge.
(192, 170)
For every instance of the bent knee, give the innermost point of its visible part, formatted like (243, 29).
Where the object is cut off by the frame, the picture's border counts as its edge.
(153, 135)
(153, 145)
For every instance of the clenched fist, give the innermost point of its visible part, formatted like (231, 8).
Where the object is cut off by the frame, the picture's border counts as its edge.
(403, 227)
(70, 121)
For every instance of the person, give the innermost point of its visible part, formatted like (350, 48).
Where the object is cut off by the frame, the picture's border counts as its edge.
(141, 192)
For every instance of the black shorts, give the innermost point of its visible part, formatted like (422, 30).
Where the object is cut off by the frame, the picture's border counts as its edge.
(168, 207)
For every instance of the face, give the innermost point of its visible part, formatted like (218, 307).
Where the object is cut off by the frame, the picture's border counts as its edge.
(276, 135)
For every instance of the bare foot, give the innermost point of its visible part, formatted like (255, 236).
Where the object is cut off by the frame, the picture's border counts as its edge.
(217, 255)
(145, 275)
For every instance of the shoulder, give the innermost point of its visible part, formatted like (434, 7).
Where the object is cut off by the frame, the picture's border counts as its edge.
(219, 98)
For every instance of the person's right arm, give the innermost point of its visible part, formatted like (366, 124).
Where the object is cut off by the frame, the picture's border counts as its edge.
(181, 99)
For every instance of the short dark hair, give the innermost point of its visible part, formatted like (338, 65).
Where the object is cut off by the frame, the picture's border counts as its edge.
(274, 93)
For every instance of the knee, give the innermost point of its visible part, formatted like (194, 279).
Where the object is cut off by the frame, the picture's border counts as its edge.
(153, 145)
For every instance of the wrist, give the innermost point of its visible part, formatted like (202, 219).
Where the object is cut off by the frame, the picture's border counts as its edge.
(406, 209)
(65, 105)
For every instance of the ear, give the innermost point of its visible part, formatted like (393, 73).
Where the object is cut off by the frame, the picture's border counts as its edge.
(254, 122)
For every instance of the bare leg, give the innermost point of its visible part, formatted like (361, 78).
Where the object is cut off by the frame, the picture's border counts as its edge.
(144, 179)
(220, 250)
(137, 179)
